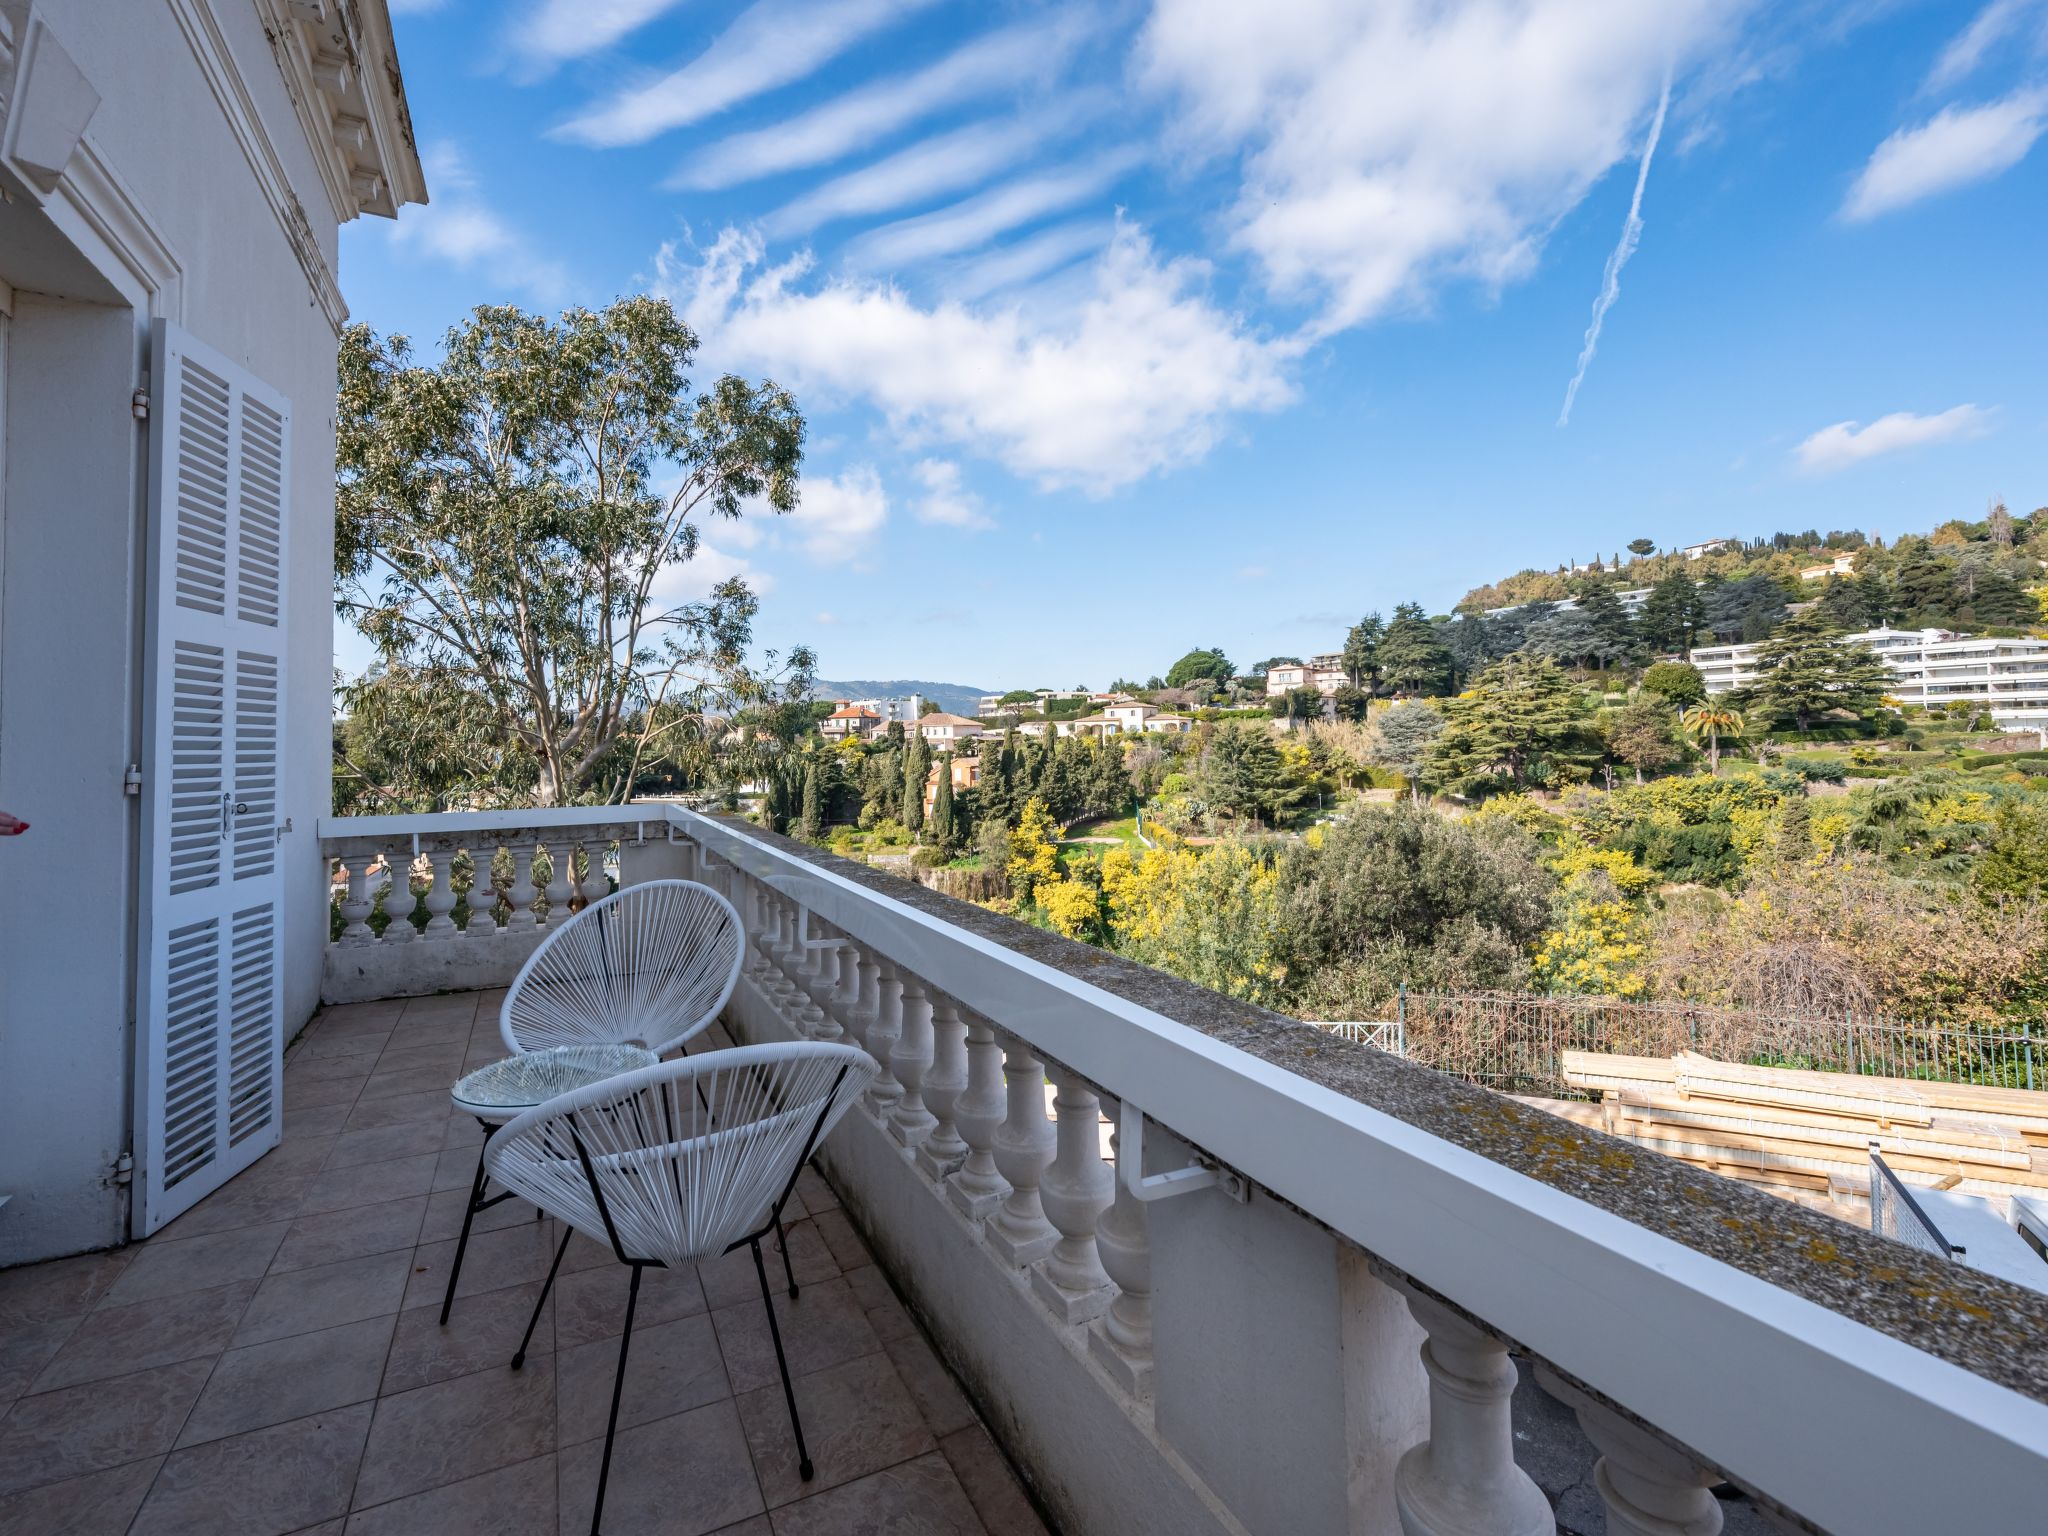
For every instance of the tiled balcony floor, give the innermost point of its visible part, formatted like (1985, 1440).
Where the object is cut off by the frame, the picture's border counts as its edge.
(270, 1362)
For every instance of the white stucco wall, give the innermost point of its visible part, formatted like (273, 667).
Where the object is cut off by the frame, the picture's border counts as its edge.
(71, 641)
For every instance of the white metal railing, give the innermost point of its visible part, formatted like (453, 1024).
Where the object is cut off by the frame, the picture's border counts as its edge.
(1865, 1433)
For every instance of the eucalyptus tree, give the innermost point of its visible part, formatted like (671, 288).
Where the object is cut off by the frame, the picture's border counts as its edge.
(514, 524)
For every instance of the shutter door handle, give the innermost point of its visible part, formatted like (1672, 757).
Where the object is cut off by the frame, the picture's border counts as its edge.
(230, 806)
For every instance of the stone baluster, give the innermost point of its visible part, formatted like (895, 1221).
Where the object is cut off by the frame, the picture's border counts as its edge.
(821, 984)
(884, 1091)
(521, 896)
(1462, 1480)
(1018, 1231)
(399, 900)
(942, 1151)
(483, 893)
(561, 879)
(441, 896)
(1650, 1488)
(978, 1187)
(910, 1122)
(1074, 1192)
(357, 905)
(1121, 1340)
(808, 979)
(596, 884)
(867, 1001)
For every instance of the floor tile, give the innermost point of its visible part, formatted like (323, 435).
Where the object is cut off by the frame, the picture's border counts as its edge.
(918, 1498)
(96, 1504)
(58, 1435)
(444, 1216)
(823, 1327)
(317, 1093)
(39, 1293)
(360, 1043)
(932, 1387)
(847, 1248)
(817, 1194)
(457, 1429)
(511, 1255)
(263, 1384)
(991, 1485)
(332, 1236)
(248, 1201)
(309, 1299)
(320, 1069)
(672, 1367)
(118, 1341)
(196, 1263)
(324, 1121)
(389, 1082)
(682, 1476)
(263, 1483)
(730, 1278)
(354, 1148)
(482, 1333)
(373, 1114)
(591, 1304)
(518, 1500)
(369, 1183)
(858, 1418)
(25, 1348)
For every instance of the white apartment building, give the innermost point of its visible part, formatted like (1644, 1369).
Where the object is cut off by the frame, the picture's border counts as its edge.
(949, 730)
(1929, 667)
(909, 710)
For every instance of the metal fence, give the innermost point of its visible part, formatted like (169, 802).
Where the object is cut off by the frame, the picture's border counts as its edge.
(1514, 1041)
(1895, 1214)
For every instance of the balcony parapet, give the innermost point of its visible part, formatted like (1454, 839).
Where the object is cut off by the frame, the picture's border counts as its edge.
(1699, 1329)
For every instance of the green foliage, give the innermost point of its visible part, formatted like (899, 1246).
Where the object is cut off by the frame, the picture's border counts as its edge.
(2015, 862)
(1400, 737)
(1199, 665)
(1676, 682)
(1644, 734)
(1522, 723)
(1411, 656)
(1244, 776)
(497, 533)
(811, 823)
(1807, 671)
(944, 830)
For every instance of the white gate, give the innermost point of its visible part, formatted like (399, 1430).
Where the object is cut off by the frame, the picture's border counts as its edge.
(209, 1073)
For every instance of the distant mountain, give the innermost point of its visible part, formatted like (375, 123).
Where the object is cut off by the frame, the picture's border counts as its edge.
(953, 698)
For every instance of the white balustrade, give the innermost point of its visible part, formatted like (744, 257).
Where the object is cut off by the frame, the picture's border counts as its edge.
(867, 1001)
(1024, 1143)
(910, 1122)
(357, 905)
(561, 879)
(483, 895)
(399, 901)
(1462, 1480)
(884, 1091)
(1121, 1340)
(978, 1187)
(942, 1150)
(1649, 1487)
(596, 883)
(1074, 1192)
(441, 896)
(522, 895)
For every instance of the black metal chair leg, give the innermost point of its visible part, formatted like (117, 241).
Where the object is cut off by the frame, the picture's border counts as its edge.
(527, 1338)
(782, 1241)
(476, 1194)
(803, 1456)
(611, 1429)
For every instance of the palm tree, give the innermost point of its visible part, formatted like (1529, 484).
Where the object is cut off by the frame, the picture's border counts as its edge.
(1713, 721)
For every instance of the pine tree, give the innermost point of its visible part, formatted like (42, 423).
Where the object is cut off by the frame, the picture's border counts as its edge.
(993, 796)
(1412, 658)
(1361, 652)
(1522, 722)
(1670, 614)
(1243, 774)
(1806, 671)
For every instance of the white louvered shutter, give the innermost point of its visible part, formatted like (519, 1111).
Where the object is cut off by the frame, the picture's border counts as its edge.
(209, 1076)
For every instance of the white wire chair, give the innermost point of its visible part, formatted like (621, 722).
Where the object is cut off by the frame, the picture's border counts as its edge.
(651, 964)
(681, 1162)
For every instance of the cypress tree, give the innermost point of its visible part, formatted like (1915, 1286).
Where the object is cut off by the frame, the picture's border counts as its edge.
(917, 763)
(943, 834)
(811, 826)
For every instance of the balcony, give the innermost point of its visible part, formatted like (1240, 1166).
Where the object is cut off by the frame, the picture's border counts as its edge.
(1104, 1252)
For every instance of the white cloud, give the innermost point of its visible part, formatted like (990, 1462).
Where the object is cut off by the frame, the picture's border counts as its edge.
(552, 31)
(946, 163)
(1958, 146)
(1009, 60)
(693, 580)
(824, 616)
(945, 499)
(460, 228)
(1389, 147)
(1142, 375)
(1022, 260)
(1252, 573)
(770, 44)
(1847, 443)
(837, 518)
(968, 225)
(1989, 27)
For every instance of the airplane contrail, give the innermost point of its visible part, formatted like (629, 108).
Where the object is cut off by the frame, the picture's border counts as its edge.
(1631, 233)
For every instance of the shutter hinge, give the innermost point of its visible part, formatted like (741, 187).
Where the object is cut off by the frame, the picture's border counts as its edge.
(139, 404)
(131, 781)
(124, 1168)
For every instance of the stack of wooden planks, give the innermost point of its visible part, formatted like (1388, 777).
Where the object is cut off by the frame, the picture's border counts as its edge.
(1807, 1135)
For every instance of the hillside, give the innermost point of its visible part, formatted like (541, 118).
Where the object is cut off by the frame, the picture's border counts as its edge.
(954, 698)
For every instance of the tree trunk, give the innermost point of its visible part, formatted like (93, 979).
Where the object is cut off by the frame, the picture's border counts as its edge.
(1713, 754)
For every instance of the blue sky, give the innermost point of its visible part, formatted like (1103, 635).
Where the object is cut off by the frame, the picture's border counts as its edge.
(1125, 327)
